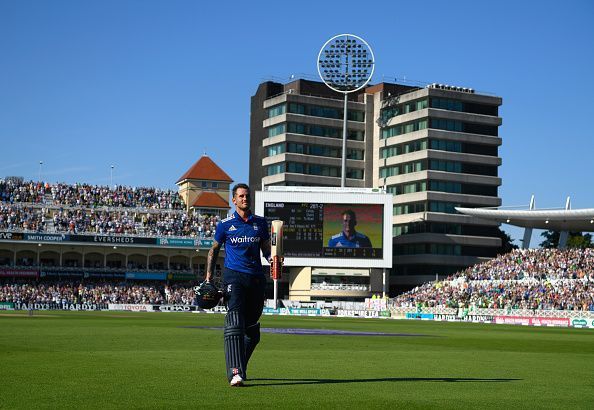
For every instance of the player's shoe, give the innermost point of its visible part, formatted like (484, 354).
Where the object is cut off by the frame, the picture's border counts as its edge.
(236, 381)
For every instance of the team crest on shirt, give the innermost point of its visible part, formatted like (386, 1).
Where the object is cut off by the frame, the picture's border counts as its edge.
(255, 227)
(233, 228)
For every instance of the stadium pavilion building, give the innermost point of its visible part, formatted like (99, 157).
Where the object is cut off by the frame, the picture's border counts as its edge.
(434, 148)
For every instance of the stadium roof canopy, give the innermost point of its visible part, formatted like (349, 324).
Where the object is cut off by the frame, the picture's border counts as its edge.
(572, 220)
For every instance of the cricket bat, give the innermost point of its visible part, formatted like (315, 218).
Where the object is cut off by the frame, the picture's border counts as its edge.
(276, 248)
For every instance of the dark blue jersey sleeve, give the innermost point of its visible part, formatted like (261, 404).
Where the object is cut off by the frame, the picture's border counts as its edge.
(220, 233)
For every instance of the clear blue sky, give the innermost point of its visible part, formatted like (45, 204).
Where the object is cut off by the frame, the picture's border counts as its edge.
(150, 85)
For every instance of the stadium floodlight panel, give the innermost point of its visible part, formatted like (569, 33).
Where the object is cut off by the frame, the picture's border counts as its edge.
(346, 54)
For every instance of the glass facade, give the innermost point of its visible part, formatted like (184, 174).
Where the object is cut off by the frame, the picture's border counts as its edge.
(456, 105)
(322, 170)
(438, 145)
(443, 207)
(447, 104)
(448, 166)
(442, 186)
(428, 248)
(405, 148)
(411, 208)
(459, 126)
(277, 130)
(444, 145)
(275, 169)
(325, 112)
(314, 150)
(405, 128)
(409, 167)
(427, 227)
(276, 149)
(276, 110)
(404, 108)
(328, 132)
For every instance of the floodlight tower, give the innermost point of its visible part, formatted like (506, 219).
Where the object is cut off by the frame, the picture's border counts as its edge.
(345, 65)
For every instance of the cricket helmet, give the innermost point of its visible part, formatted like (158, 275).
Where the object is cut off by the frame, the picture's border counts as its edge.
(207, 295)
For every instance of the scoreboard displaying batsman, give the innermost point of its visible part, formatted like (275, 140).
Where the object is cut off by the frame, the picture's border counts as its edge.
(331, 227)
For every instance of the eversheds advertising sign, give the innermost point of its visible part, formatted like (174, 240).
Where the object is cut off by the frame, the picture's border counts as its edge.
(113, 239)
(106, 239)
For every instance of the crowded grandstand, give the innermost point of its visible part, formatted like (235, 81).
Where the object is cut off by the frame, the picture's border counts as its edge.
(52, 208)
(535, 279)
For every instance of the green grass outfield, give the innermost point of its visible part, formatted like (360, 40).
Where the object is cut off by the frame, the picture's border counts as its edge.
(150, 360)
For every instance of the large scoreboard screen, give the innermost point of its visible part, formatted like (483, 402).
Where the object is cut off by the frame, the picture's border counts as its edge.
(328, 228)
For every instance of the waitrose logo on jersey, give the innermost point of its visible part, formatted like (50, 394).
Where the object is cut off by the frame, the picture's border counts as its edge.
(244, 239)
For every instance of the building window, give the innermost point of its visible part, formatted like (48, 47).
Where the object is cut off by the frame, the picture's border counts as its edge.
(354, 173)
(405, 108)
(354, 154)
(276, 130)
(447, 166)
(447, 104)
(455, 105)
(410, 208)
(445, 186)
(443, 145)
(325, 112)
(276, 110)
(409, 167)
(448, 125)
(295, 167)
(401, 149)
(409, 188)
(322, 170)
(275, 169)
(328, 132)
(273, 150)
(459, 126)
(405, 128)
(443, 207)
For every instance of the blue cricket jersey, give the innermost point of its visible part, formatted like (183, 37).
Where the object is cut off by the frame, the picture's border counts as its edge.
(242, 242)
(341, 241)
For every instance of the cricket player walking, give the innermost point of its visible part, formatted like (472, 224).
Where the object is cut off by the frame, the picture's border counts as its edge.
(245, 235)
